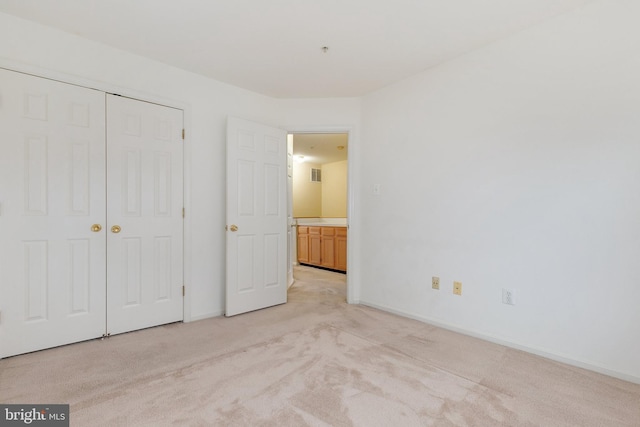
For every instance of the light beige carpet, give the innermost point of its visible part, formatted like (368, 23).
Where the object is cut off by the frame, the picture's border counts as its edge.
(313, 361)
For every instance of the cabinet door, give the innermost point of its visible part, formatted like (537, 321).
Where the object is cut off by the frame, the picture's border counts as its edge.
(327, 247)
(341, 249)
(303, 245)
(315, 250)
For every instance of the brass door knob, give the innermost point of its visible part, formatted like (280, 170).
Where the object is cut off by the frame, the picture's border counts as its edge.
(96, 227)
(115, 229)
(233, 227)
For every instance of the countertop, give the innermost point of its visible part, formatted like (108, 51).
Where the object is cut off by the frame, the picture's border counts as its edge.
(321, 224)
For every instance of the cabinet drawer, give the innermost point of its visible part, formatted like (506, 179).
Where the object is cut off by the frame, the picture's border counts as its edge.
(314, 230)
(303, 230)
(328, 231)
(341, 231)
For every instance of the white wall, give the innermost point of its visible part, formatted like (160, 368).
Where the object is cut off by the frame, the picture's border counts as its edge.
(516, 166)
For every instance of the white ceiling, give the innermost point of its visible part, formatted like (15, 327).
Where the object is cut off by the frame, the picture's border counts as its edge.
(274, 46)
(321, 148)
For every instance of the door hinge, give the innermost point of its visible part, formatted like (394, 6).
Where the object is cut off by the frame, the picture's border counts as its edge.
(183, 134)
(183, 212)
(183, 290)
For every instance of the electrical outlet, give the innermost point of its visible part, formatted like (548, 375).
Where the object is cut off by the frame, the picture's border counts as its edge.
(435, 282)
(508, 296)
(457, 288)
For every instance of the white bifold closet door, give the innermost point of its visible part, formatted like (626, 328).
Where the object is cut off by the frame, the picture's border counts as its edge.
(52, 197)
(72, 173)
(144, 214)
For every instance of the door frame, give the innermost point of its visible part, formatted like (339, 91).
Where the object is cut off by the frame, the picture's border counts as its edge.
(146, 97)
(351, 223)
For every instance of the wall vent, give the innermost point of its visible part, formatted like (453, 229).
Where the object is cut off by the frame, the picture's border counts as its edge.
(316, 175)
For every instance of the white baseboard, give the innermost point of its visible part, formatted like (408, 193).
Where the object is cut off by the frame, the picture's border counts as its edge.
(539, 352)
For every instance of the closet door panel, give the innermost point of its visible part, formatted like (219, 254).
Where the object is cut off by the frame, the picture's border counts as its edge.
(52, 193)
(145, 224)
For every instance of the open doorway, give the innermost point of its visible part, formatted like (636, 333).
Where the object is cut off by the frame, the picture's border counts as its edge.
(318, 194)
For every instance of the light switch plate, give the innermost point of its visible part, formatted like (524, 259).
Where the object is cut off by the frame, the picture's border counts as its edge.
(508, 296)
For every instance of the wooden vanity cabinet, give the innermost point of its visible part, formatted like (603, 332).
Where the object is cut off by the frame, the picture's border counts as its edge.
(323, 246)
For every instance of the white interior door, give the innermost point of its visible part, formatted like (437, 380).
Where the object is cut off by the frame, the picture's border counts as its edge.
(256, 216)
(144, 217)
(52, 191)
